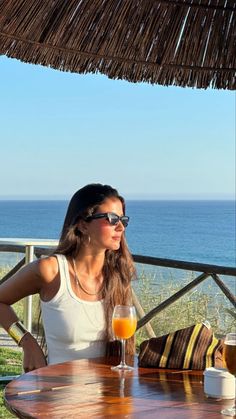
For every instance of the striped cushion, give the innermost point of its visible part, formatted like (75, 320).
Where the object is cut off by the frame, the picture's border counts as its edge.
(194, 347)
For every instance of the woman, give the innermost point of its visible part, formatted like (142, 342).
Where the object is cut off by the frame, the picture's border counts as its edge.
(79, 285)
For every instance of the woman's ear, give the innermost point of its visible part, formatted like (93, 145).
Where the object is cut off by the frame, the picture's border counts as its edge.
(82, 226)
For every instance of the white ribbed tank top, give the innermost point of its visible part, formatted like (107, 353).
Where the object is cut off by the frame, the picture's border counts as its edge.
(74, 328)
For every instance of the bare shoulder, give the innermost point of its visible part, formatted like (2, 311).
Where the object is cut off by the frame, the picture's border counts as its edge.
(47, 268)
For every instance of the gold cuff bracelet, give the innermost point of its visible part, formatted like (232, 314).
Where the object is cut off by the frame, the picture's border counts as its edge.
(17, 330)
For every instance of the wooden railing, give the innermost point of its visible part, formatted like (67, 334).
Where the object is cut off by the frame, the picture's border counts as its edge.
(205, 271)
(213, 271)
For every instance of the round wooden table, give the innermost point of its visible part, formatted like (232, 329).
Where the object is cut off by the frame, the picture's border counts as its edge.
(89, 388)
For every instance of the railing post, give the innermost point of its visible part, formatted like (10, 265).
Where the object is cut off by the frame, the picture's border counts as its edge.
(29, 257)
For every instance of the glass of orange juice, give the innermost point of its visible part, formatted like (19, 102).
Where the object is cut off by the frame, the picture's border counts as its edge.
(124, 323)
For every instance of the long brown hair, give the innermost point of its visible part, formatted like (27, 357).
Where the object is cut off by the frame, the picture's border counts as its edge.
(118, 268)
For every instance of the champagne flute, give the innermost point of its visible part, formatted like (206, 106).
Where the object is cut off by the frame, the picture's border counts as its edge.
(230, 362)
(124, 323)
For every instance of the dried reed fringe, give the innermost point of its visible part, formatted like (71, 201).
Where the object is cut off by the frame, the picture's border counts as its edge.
(169, 42)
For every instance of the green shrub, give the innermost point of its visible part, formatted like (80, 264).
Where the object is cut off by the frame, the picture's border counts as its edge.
(10, 364)
(204, 302)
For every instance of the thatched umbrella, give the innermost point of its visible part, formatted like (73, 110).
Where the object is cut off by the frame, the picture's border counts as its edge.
(169, 42)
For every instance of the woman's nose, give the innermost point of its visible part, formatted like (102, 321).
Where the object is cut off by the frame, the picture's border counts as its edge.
(119, 226)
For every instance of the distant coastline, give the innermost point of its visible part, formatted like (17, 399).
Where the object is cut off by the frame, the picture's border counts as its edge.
(127, 197)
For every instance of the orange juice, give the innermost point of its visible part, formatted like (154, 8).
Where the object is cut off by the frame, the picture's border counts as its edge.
(124, 327)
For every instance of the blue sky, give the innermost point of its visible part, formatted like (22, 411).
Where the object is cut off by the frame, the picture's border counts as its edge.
(60, 131)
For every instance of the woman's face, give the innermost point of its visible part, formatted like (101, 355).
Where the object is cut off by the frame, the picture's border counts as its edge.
(103, 235)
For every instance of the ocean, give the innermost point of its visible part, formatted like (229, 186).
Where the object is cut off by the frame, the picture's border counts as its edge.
(194, 231)
(197, 231)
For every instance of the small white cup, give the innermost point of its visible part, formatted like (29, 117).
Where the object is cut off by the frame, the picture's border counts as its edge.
(219, 383)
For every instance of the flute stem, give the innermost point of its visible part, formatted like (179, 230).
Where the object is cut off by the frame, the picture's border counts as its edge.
(123, 352)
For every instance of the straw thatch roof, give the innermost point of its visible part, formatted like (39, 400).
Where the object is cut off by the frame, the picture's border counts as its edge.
(169, 42)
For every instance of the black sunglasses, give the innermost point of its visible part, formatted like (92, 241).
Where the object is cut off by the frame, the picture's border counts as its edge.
(111, 217)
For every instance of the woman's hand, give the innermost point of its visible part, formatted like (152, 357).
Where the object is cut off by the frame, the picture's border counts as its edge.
(33, 355)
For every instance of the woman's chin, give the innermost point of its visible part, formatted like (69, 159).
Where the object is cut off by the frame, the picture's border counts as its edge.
(115, 246)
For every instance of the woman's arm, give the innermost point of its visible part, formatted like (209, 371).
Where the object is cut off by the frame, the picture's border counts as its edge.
(34, 278)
